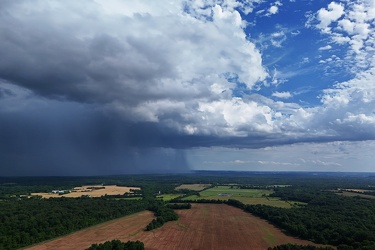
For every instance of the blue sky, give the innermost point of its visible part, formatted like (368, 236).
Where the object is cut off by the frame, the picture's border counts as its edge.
(118, 87)
(292, 50)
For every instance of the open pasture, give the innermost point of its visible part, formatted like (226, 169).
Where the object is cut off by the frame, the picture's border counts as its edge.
(275, 202)
(235, 192)
(167, 197)
(93, 191)
(205, 226)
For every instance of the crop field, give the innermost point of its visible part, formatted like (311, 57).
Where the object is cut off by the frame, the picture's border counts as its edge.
(205, 226)
(228, 191)
(125, 228)
(194, 187)
(93, 191)
(275, 202)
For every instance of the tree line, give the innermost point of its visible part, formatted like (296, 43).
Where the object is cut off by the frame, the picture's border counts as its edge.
(179, 205)
(163, 214)
(298, 247)
(118, 245)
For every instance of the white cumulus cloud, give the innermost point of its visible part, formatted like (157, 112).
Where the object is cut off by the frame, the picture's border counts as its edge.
(283, 95)
(327, 16)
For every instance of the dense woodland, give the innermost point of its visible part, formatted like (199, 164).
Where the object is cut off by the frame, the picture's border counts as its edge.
(327, 217)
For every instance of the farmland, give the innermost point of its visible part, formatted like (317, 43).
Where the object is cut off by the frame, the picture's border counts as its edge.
(91, 190)
(205, 226)
(235, 192)
(300, 204)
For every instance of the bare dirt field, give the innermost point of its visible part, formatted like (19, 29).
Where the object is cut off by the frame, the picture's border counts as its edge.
(93, 191)
(205, 226)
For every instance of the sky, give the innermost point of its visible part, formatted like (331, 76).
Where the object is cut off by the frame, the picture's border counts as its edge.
(126, 87)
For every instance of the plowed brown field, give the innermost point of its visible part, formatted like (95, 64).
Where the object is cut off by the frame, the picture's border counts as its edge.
(205, 226)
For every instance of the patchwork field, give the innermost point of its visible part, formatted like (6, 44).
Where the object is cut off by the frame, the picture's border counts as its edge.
(246, 196)
(205, 226)
(93, 191)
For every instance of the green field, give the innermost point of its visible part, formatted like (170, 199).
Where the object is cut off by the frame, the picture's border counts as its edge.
(227, 191)
(246, 196)
(274, 202)
(167, 197)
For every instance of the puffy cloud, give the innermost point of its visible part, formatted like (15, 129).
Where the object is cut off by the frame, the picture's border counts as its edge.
(327, 47)
(326, 17)
(236, 117)
(274, 9)
(284, 95)
(349, 23)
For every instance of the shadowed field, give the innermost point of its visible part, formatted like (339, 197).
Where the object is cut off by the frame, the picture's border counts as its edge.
(194, 187)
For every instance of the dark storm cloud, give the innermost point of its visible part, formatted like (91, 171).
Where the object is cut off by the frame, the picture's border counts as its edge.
(44, 51)
(55, 59)
(4, 92)
(42, 136)
(70, 140)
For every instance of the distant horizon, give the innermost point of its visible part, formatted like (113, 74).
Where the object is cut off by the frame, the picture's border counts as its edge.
(192, 172)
